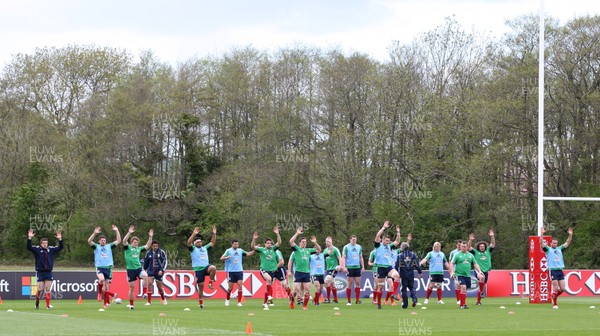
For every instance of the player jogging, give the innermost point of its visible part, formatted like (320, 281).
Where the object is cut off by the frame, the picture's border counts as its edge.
(103, 260)
(353, 262)
(155, 265)
(200, 263)
(44, 263)
(132, 262)
(281, 275)
(437, 260)
(556, 263)
(454, 281)
(234, 257)
(463, 262)
(269, 260)
(384, 261)
(483, 258)
(302, 264)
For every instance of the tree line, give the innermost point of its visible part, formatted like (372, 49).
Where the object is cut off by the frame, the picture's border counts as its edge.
(440, 139)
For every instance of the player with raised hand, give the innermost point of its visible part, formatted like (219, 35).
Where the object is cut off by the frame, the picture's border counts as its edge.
(200, 264)
(383, 260)
(132, 262)
(333, 262)
(44, 264)
(155, 265)
(234, 257)
(317, 273)
(556, 263)
(483, 257)
(437, 260)
(103, 260)
(354, 263)
(302, 262)
(462, 263)
(269, 261)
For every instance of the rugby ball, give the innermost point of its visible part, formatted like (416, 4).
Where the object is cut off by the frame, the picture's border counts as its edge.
(118, 301)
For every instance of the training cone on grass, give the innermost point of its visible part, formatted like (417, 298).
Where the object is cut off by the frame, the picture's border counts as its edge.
(80, 300)
(0, 299)
(249, 328)
(243, 300)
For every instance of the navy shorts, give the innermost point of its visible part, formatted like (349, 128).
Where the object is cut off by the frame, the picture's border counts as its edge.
(156, 276)
(318, 278)
(554, 275)
(270, 273)
(280, 274)
(235, 276)
(354, 273)
(200, 275)
(382, 272)
(135, 274)
(44, 276)
(436, 277)
(301, 277)
(332, 272)
(465, 280)
(485, 274)
(107, 272)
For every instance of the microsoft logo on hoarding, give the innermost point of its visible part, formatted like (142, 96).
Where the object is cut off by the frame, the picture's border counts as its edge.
(28, 286)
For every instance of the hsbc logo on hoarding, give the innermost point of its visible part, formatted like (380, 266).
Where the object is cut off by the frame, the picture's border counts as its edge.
(531, 264)
(593, 283)
(251, 284)
(544, 264)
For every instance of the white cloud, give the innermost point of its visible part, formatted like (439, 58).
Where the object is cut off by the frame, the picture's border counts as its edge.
(369, 29)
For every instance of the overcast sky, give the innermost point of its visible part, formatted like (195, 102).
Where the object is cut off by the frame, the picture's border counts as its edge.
(178, 30)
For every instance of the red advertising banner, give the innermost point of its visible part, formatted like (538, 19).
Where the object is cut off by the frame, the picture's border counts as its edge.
(539, 277)
(506, 283)
(181, 285)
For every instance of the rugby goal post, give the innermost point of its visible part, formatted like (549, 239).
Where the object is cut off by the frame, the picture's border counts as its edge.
(539, 279)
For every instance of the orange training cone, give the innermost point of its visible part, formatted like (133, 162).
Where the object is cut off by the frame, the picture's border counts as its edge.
(249, 328)
(0, 299)
(243, 300)
(79, 301)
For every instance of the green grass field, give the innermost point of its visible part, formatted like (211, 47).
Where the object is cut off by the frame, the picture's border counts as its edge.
(575, 317)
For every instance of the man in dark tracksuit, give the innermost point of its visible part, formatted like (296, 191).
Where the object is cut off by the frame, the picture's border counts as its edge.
(407, 262)
(155, 264)
(44, 263)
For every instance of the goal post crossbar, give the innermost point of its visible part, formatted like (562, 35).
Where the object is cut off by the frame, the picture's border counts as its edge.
(586, 199)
